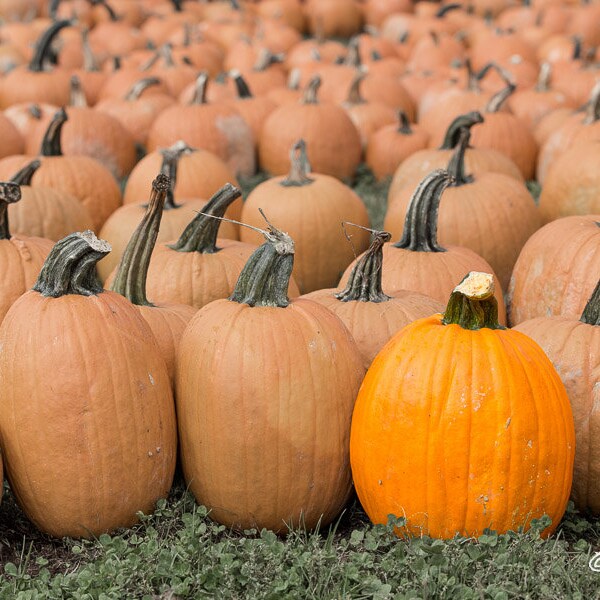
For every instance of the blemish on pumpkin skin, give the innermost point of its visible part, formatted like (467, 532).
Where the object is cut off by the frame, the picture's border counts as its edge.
(508, 423)
(151, 378)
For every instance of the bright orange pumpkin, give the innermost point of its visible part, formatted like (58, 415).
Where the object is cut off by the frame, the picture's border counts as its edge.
(461, 425)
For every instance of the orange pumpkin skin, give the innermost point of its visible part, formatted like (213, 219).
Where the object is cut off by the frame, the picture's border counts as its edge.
(574, 349)
(285, 379)
(89, 451)
(459, 430)
(550, 278)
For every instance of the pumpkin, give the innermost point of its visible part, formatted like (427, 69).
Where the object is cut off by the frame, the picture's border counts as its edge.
(83, 177)
(333, 140)
(105, 428)
(552, 279)
(43, 211)
(492, 214)
(167, 321)
(389, 146)
(34, 83)
(573, 346)
(284, 374)
(21, 257)
(215, 127)
(89, 132)
(199, 267)
(310, 206)
(477, 160)
(137, 111)
(417, 261)
(123, 222)
(461, 425)
(341, 18)
(371, 315)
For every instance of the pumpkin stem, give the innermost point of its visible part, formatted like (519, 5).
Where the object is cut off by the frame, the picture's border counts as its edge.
(112, 15)
(364, 284)
(9, 194)
(420, 224)
(44, 45)
(169, 166)
(177, 5)
(499, 98)
(200, 88)
(403, 123)
(139, 87)
(354, 96)
(442, 12)
(472, 77)
(592, 113)
(130, 280)
(76, 93)
(456, 166)
(543, 81)
(90, 64)
(453, 132)
(310, 92)
(241, 85)
(70, 268)
(201, 233)
(591, 312)
(51, 142)
(146, 66)
(299, 167)
(35, 111)
(265, 59)
(24, 175)
(353, 56)
(265, 278)
(472, 304)
(577, 47)
(293, 81)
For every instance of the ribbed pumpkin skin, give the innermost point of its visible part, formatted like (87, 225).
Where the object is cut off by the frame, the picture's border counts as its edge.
(284, 380)
(460, 430)
(21, 259)
(493, 216)
(574, 349)
(48, 213)
(373, 324)
(87, 421)
(431, 273)
(557, 270)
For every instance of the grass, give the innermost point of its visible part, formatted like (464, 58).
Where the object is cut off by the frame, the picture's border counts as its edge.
(178, 552)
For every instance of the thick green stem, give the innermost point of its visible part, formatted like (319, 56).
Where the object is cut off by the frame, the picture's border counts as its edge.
(241, 85)
(169, 166)
(299, 167)
(139, 87)
(76, 93)
(453, 132)
(201, 233)
(592, 113)
(265, 278)
(404, 123)
(130, 280)
(199, 96)
(9, 194)
(310, 92)
(24, 175)
(499, 98)
(71, 266)
(420, 224)
(591, 312)
(354, 96)
(51, 142)
(364, 284)
(472, 304)
(456, 166)
(44, 45)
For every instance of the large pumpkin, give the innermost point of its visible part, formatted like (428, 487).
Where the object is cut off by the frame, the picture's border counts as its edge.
(87, 421)
(573, 346)
(461, 425)
(283, 375)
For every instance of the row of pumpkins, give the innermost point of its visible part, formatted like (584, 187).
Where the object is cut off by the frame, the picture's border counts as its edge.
(459, 424)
